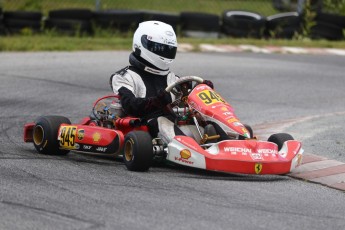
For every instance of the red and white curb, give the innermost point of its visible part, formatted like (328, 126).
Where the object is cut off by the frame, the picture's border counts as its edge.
(321, 170)
(314, 168)
(255, 49)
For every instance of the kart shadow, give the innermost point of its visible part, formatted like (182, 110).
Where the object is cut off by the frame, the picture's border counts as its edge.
(193, 173)
(183, 171)
(77, 157)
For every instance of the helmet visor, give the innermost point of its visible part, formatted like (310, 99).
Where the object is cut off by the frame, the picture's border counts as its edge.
(160, 49)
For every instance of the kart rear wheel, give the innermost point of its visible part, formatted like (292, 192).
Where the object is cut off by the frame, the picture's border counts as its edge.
(45, 134)
(138, 151)
(279, 139)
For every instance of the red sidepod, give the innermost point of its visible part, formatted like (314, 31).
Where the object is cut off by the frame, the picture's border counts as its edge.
(87, 138)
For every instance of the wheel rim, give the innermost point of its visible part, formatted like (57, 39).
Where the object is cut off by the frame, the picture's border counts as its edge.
(38, 135)
(128, 151)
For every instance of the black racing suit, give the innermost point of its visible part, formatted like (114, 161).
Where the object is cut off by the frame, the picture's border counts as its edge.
(139, 89)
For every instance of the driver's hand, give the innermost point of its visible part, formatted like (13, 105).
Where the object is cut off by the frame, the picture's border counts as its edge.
(209, 83)
(164, 97)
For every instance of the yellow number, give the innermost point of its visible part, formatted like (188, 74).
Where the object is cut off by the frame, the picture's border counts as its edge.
(209, 97)
(67, 136)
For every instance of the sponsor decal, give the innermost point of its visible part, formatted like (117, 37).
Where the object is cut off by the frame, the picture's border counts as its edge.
(101, 149)
(185, 154)
(237, 124)
(267, 151)
(232, 120)
(227, 113)
(96, 137)
(256, 156)
(283, 154)
(76, 146)
(81, 134)
(184, 160)
(169, 33)
(237, 149)
(152, 70)
(224, 109)
(87, 147)
(258, 168)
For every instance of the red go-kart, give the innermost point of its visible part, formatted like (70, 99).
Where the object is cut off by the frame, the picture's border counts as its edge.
(214, 139)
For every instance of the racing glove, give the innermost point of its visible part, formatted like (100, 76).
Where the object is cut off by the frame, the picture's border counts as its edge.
(159, 102)
(209, 83)
(164, 97)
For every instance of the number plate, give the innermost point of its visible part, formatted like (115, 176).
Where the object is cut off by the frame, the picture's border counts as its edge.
(209, 97)
(67, 136)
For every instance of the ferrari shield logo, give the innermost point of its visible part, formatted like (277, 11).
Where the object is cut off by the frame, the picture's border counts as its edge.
(258, 168)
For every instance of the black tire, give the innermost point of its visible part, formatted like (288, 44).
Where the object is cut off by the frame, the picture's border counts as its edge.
(23, 15)
(238, 23)
(45, 134)
(73, 14)
(191, 21)
(138, 151)
(279, 139)
(338, 20)
(16, 25)
(69, 26)
(249, 128)
(171, 19)
(283, 25)
(122, 20)
(327, 31)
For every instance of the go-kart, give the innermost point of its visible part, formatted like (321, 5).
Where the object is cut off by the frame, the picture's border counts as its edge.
(214, 139)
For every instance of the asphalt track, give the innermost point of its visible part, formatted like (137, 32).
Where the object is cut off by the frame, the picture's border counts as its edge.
(300, 94)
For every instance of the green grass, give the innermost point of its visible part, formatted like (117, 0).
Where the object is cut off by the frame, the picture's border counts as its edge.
(209, 6)
(48, 42)
(62, 43)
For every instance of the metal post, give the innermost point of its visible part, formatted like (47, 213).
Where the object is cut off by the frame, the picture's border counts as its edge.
(98, 5)
(300, 6)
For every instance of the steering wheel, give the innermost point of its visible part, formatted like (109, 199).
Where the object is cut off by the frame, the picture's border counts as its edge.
(172, 88)
(175, 89)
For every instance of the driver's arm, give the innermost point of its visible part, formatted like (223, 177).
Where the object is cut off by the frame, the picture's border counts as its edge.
(139, 106)
(123, 85)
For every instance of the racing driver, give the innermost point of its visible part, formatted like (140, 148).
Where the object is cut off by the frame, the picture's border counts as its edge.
(141, 85)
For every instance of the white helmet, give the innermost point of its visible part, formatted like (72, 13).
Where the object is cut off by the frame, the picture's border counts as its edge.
(156, 42)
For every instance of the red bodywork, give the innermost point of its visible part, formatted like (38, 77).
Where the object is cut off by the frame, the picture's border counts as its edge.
(88, 136)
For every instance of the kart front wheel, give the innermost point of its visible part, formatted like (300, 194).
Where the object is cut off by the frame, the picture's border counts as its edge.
(279, 139)
(45, 134)
(138, 151)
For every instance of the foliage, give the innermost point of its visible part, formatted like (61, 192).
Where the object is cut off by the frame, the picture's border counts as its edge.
(309, 15)
(335, 6)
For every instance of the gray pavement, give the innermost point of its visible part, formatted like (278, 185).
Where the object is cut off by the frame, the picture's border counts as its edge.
(304, 94)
